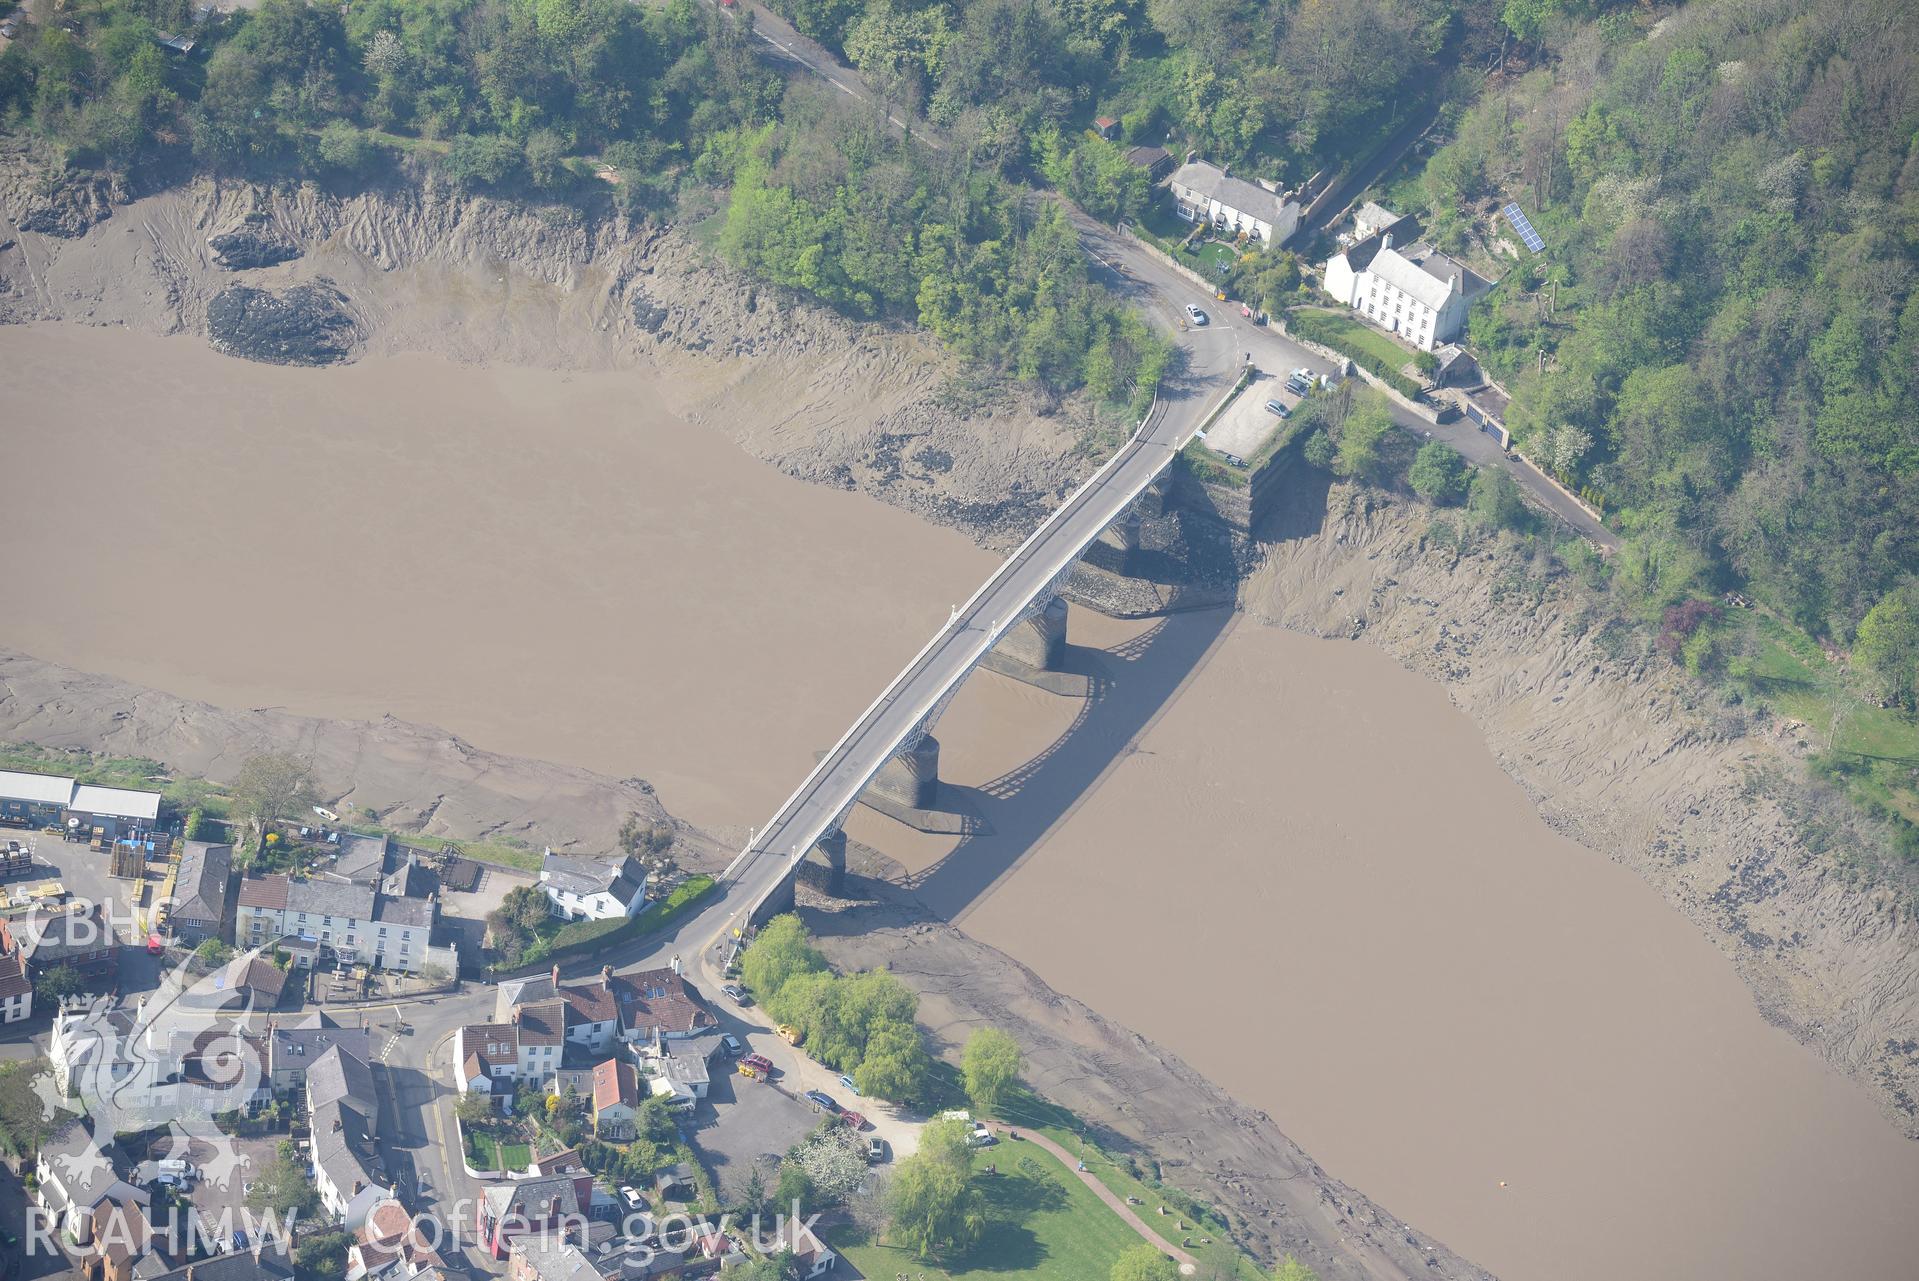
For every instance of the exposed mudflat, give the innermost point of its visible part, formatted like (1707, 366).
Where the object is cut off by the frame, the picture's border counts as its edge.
(550, 565)
(526, 510)
(1309, 875)
(410, 777)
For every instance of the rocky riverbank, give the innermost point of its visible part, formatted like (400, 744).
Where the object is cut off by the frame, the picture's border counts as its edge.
(293, 273)
(1623, 754)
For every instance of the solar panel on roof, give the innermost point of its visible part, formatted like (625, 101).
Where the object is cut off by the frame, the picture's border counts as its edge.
(1523, 225)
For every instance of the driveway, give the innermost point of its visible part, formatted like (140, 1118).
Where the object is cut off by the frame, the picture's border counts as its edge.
(742, 1121)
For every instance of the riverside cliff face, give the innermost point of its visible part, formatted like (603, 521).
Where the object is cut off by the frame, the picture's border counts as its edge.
(293, 273)
(1620, 752)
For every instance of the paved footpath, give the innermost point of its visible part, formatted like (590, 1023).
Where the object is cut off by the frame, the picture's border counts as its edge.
(1104, 1193)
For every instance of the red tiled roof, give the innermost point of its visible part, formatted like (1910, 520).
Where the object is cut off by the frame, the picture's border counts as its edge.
(264, 891)
(591, 1002)
(388, 1222)
(13, 976)
(659, 999)
(614, 1081)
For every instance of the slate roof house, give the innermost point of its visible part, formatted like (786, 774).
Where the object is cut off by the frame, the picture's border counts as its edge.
(343, 1110)
(77, 1177)
(1400, 283)
(73, 934)
(1205, 192)
(556, 1204)
(293, 1048)
(592, 889)
(200, 897)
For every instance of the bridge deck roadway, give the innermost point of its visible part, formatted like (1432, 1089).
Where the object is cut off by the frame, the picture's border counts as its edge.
(816, 807)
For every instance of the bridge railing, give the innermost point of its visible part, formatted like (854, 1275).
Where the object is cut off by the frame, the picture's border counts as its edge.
(991, 636)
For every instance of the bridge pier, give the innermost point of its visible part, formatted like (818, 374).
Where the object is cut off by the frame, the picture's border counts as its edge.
(832, 847)
(912, 778)
(1040, 641)
(1035, 651)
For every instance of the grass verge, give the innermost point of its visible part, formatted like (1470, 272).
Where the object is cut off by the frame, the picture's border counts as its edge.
(1042, 1223)
(577, 936)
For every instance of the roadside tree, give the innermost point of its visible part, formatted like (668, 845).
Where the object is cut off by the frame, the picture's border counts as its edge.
(1438, 474)
(896, 1064)
(474, 1108)
(322, 1255)
(24, 1122)
(1494, 499)
(1361, 435)
(989, 1064)
(780, 951)
(60, 983)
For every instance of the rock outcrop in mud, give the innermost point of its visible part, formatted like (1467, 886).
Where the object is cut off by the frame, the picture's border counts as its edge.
(433, 269)
(306, 325)
(253, 243)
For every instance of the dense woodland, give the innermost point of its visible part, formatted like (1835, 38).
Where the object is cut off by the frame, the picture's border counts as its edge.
(1722, 339)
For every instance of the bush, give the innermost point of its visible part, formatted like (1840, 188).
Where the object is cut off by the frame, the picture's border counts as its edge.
(1438, 474)
(1494, 500)
(344, 147)
(489, 161)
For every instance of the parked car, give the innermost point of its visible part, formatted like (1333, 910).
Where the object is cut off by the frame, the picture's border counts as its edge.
(758, 1062)
(730, 1046)
(736, 993)
(1194, 314)
(240, 1241)
(823, 1101)
(632, 1197)
(1276, 408)
(847, 1081)
(853, 1120)
(875, 1149)
(789, 1034)
(981, 1137)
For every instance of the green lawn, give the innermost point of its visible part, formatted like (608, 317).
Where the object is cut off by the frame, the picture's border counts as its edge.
(1362, 336)
(1788, 670)
(1042, 1222)
(1206, 259)
(1159, 220)
(486, 1152)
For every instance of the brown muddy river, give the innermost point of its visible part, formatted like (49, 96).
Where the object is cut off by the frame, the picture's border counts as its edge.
(1291, 861)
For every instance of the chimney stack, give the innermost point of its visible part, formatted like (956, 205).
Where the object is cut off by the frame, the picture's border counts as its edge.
(516, 1016)
(1387, 243)
(556, 975)
(606, 978)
